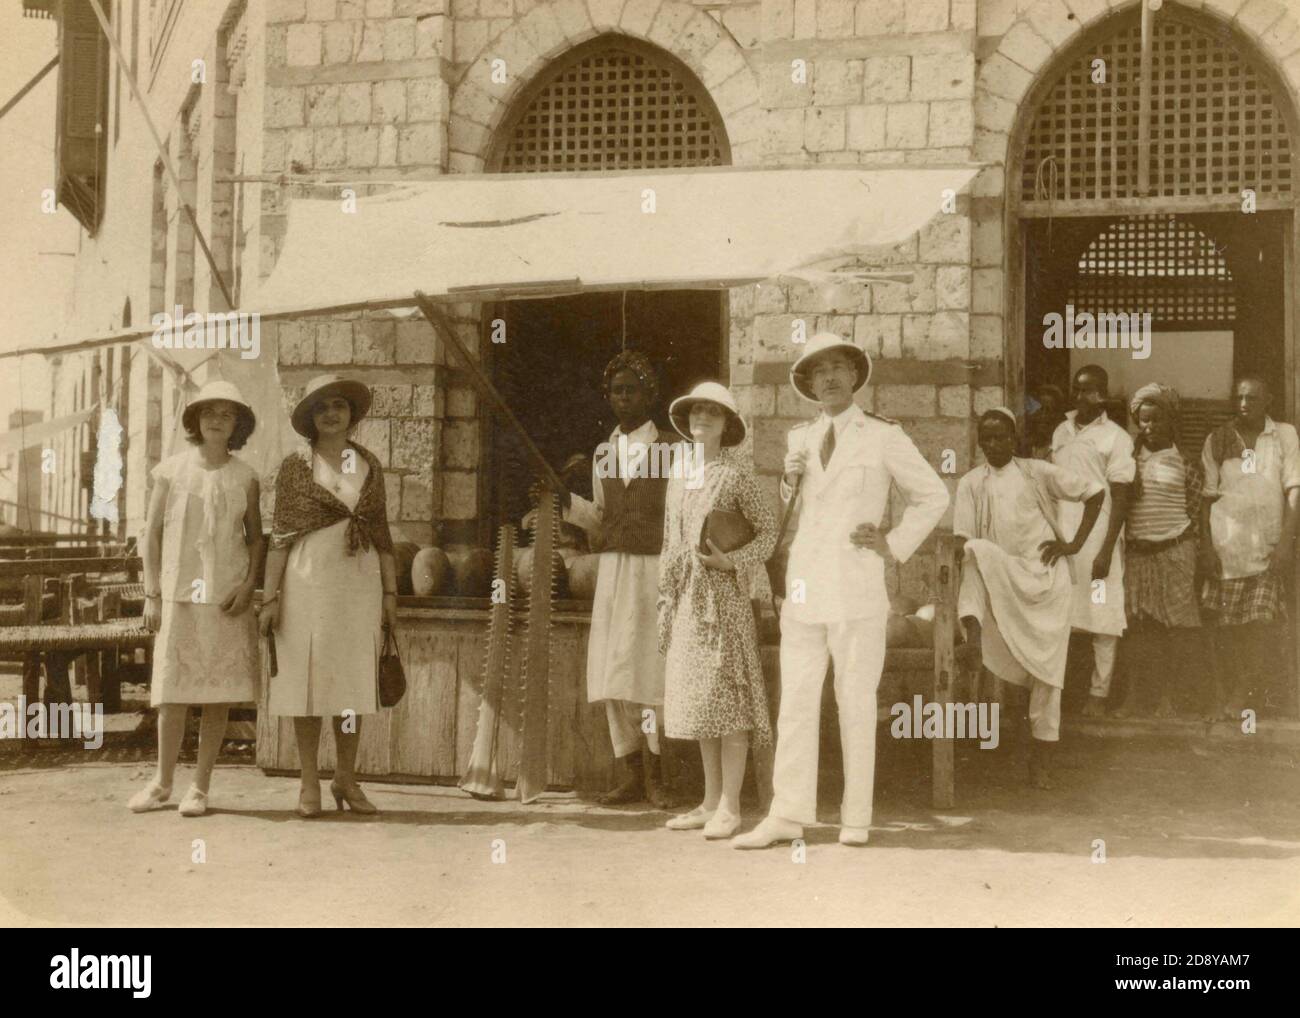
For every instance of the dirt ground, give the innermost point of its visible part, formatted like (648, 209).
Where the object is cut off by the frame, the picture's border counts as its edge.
(1196, 831)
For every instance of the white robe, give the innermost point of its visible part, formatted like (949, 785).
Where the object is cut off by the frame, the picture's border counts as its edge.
(1100, 451)
(1023, 605)
(623, 659)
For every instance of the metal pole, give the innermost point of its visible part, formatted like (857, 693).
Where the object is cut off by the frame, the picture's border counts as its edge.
(125, 68)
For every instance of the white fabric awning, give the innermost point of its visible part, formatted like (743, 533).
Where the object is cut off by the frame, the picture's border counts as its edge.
(502, 236)
(35, 434)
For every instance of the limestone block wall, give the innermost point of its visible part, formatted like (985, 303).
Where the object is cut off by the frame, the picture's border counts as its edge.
(356, 92)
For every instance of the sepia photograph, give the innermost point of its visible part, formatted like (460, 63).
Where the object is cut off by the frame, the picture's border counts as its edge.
(651, 463)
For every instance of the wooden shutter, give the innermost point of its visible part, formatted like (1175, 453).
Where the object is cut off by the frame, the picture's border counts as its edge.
(81, 149)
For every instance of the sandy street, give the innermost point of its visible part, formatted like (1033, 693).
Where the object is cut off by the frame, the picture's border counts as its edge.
(1205, 833)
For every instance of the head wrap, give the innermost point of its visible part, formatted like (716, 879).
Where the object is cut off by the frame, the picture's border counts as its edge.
(1004, 412)
(1153, 392)
(637, 363)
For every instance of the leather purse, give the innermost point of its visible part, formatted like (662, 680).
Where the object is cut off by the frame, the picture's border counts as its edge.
(727, 529)
(392, 677)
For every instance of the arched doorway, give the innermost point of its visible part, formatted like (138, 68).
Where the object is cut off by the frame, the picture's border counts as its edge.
(1216, 279)
(612, 104)
(1204, 254)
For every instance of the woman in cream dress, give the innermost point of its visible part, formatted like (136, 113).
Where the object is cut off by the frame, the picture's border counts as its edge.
(202, 548)
(330, 585)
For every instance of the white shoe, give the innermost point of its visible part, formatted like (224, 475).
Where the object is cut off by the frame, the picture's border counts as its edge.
(772, 831)
(856, 836)
(722, 825)
(152, 796)
(195, 803)
(692, 821)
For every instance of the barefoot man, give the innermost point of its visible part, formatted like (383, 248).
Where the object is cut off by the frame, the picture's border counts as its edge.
(1251, 510)
(1015, 585)
(836, 605)
(1090, 444)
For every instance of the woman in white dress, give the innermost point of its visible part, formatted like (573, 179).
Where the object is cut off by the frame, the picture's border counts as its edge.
(202, 549)
(330, 582)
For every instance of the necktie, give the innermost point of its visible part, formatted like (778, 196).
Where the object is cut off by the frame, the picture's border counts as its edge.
(828, 445)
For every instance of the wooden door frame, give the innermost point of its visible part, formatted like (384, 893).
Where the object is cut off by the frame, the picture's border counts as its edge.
(1015, 218)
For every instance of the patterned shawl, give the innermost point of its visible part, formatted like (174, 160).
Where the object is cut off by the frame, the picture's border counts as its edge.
(302, 505)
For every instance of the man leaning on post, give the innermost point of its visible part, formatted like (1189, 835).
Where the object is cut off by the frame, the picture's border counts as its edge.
(836, 604)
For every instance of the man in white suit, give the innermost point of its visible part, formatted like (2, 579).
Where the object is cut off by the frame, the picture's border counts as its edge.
(836, 604)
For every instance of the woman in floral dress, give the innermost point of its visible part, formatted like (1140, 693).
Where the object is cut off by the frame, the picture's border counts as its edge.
(713, 689)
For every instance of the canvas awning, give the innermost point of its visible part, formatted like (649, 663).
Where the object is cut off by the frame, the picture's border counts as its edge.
(35, 434)
(504, 236)
(470, 237)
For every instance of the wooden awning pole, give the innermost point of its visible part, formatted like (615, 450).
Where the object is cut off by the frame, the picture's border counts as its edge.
(28, 87)
(1144, 100)
(485, 387)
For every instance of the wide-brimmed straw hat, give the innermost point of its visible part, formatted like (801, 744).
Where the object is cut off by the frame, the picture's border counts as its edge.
(210, 393)
(733, 432)
(324, 386)
(818, 345)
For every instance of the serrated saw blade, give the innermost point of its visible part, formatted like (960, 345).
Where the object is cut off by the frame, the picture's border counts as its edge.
(482, 777)
(536, 669)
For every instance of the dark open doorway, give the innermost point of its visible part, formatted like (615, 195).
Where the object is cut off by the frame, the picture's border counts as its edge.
(551, 366)
(1213, 284)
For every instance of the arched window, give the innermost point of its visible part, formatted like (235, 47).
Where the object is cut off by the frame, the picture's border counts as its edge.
(1215, 126)
(612, 104)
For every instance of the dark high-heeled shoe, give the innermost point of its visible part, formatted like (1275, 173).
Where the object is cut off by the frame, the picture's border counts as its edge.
(353, 796)
(309, 806)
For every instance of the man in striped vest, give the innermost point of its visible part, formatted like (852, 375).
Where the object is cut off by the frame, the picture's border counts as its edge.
(625, 519)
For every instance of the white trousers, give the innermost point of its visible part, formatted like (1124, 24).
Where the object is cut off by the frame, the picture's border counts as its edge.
(625, 720)
(1045, 712)
(1103, 663)
(857, 650)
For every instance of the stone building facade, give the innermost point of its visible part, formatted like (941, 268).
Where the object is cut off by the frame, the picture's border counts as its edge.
(369, 93)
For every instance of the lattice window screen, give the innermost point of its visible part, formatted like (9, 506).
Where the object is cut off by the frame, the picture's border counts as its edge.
(1196, 419)
(614, 109)
(1214, 126)
(1156, 263)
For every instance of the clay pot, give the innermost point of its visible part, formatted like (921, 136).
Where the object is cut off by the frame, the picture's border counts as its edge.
(524, 573)
(404, 552)
(472, 572)
(582, 577)
(430, 572)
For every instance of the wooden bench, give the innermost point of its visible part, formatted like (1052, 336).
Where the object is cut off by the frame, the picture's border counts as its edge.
(86, 632)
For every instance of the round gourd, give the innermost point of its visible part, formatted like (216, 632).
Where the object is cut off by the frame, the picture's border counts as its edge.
(430, 572)
(524, 573)
(898, 633)
(472, 572)
(404, 553)
(903, 605)
(582, 577)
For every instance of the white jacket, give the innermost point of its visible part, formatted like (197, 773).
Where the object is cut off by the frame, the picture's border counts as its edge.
(841, 581)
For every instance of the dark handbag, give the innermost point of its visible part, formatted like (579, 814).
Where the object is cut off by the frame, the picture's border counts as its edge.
(727, 529)
(392, 678)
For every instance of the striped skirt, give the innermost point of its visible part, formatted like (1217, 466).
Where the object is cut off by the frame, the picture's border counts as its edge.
(1161, 585)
